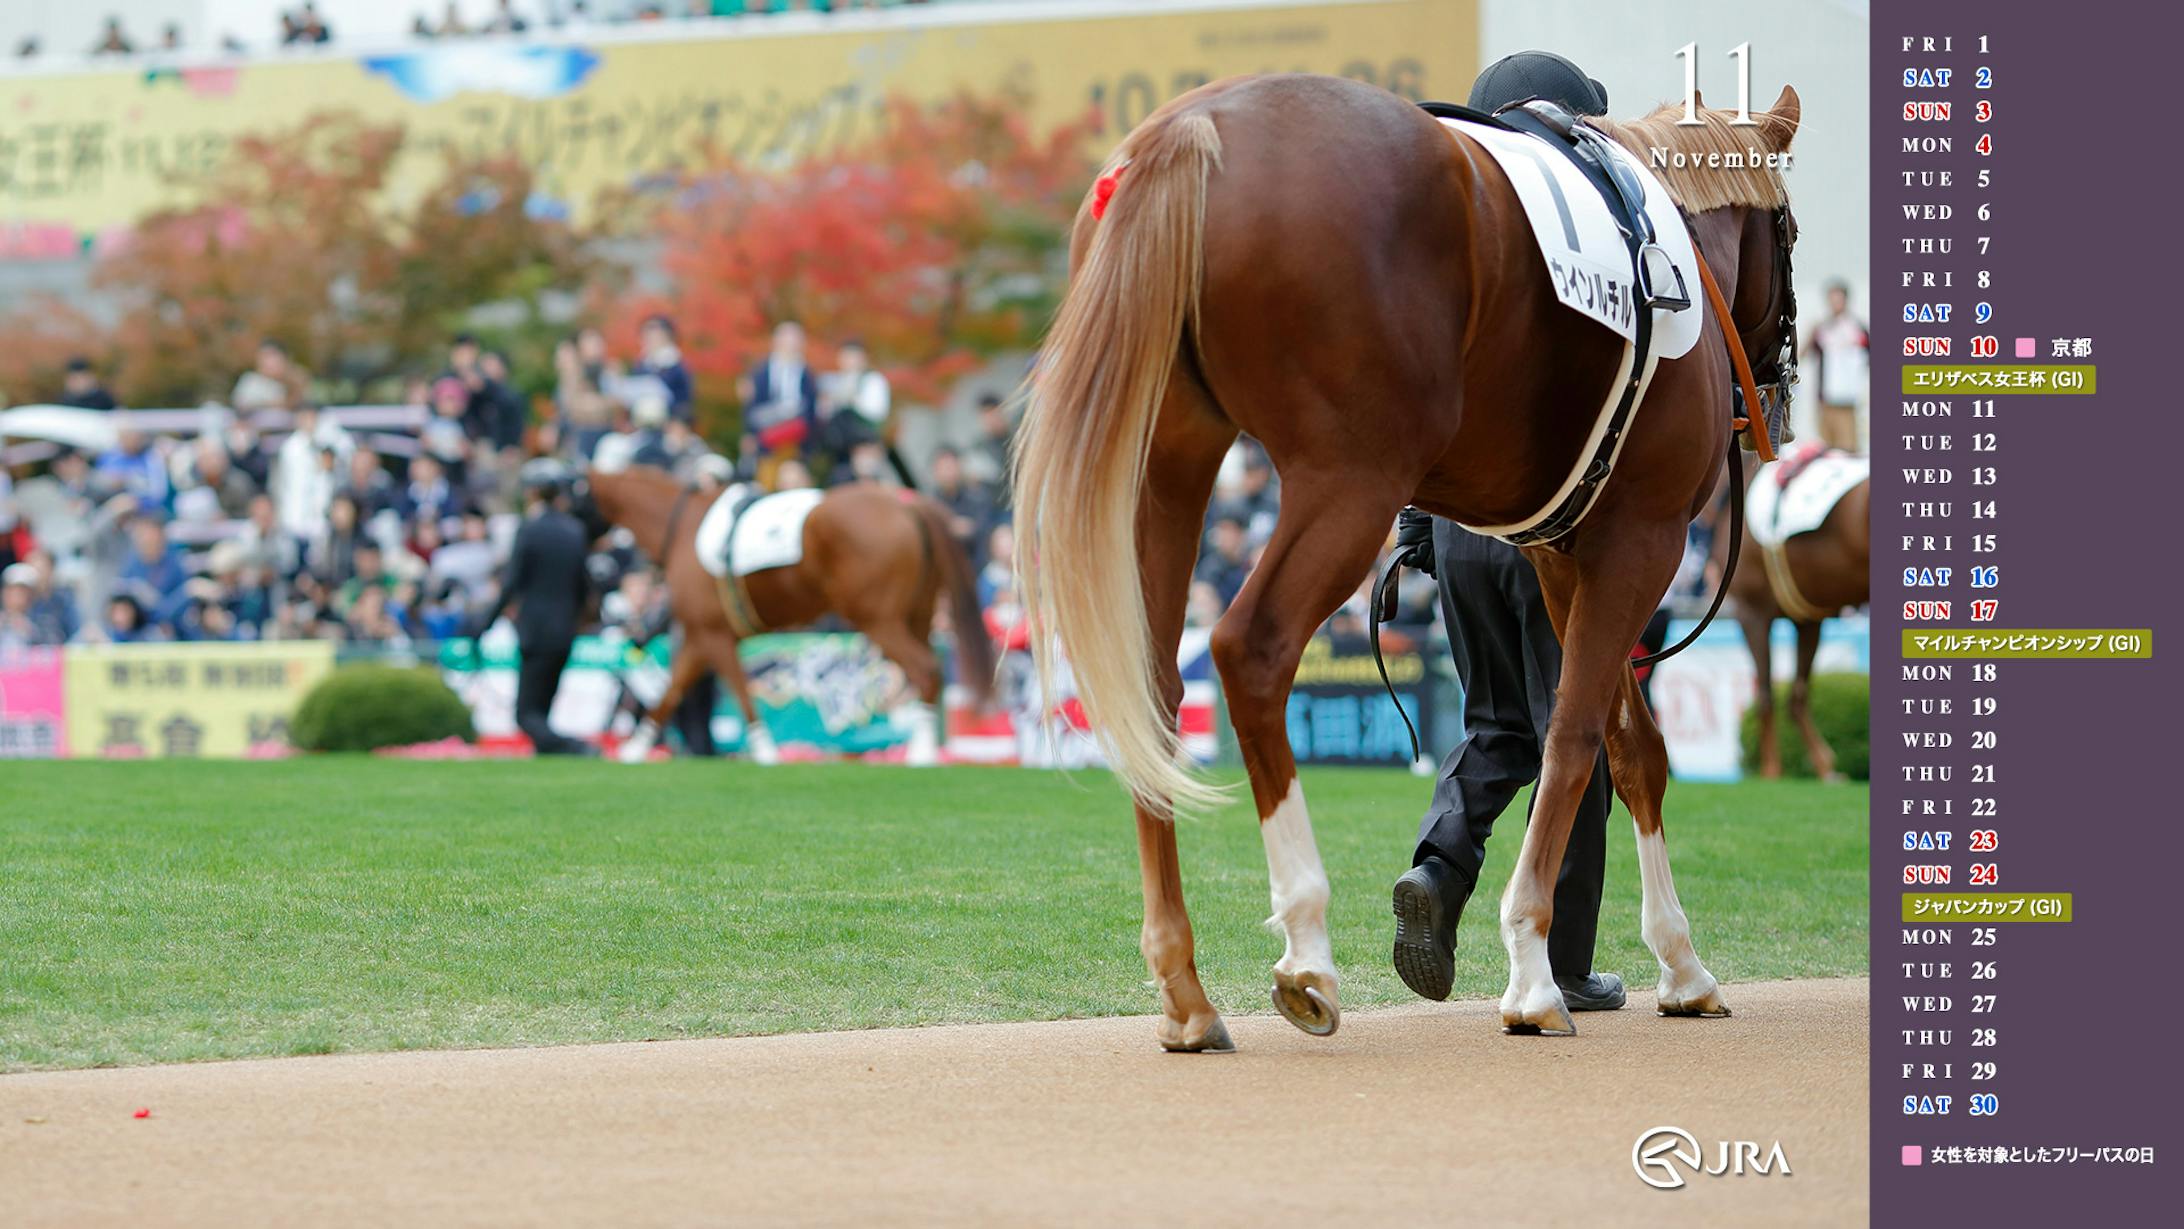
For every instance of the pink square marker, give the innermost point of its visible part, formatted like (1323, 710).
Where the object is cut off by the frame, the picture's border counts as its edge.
(2027, 347)
(1912, 1155)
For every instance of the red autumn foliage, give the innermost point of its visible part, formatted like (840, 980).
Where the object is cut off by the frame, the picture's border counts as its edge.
(935, 241)
(294, 239)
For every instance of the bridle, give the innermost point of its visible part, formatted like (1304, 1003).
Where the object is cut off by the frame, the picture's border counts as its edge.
(1776, 372)
(1771, 423)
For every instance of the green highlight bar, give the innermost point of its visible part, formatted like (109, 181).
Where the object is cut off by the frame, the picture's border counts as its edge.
(1939, 907)
(1991, 379)
(2045, 643)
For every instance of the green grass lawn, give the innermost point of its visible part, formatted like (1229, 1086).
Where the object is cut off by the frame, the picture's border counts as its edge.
(157, 912)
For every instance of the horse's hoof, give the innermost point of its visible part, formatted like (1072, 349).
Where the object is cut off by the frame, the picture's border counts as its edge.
(1305, 1006)
(1552, 1020)
(1703, 999)
(1215, 1040)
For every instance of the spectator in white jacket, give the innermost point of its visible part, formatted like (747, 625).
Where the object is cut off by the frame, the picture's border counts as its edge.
(307, 471)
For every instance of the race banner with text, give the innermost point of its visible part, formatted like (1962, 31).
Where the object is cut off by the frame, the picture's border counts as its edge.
(88, 153)
(213, 700)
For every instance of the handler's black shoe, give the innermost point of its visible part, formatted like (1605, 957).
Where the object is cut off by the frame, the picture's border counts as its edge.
(1428, 900)
(1592, 992)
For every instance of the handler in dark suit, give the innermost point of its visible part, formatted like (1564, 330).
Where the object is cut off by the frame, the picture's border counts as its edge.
(1510, 663)
(546, 577)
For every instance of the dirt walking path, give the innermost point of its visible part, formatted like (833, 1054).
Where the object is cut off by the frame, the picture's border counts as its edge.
(1421, 1115)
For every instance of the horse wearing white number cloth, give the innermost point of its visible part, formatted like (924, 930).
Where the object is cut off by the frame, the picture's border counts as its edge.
(1321, 265)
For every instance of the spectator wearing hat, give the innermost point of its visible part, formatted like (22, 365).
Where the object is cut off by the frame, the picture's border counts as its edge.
(21, 623)
(51, 604)
(82, 388)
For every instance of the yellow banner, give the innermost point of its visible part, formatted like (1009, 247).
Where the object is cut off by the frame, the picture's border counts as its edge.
(151, 701)
(87, 152)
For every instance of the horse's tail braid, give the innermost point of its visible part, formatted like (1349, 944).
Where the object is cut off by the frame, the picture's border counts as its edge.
(1081, 454)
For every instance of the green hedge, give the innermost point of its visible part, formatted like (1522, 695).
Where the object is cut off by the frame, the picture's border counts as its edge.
(363, 707)
(1842, 708)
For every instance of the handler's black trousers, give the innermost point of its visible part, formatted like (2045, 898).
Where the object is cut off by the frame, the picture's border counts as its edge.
(1510, 662)
(538, 677)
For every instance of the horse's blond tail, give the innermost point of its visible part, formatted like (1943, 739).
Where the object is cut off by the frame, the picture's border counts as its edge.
(1081, 454)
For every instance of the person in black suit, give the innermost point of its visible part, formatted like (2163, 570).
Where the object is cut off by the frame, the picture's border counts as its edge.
(546, 577)
(1510, 663)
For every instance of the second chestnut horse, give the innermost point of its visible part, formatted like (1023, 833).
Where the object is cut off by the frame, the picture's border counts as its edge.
(879, 557)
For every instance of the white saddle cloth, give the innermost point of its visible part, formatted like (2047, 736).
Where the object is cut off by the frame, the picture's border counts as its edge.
(1586, 255)
(1776, 515)
(770, 533)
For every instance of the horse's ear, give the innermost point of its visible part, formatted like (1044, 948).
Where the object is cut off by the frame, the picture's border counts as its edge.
(1785, 113)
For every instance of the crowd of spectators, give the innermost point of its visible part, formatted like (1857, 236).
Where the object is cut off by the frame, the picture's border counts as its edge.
(274, 520)
(305, 26)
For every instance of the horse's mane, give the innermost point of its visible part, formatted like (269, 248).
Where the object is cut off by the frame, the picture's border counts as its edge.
(1732, 180)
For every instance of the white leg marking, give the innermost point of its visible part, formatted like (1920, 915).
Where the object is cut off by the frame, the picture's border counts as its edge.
(924, 749)
(1684, 981)
(1299, 888)
(637, 748)
(759, 743)
(1532, 997)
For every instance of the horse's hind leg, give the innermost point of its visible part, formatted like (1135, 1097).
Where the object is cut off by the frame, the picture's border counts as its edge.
(1816, 746)
(1599, 596)
(1187, 453)
(723, 651)
(1330, 528)
(1638, 761)
(921, 669)
(1758, 626)
(689, 665)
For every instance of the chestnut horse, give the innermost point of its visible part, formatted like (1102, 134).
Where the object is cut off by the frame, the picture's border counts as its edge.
(1321, 265)
(879, 557)
(1826, 571)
